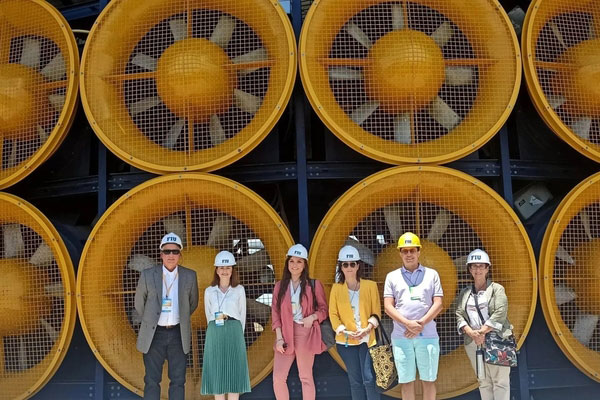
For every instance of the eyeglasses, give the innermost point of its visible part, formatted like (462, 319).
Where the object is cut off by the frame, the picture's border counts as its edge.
(409, 251)
(478, 266)
(349, 264)
(169, 251)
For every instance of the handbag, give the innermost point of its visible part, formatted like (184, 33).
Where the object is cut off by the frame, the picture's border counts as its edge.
(327, 332)
(382, 356)
(497, 350)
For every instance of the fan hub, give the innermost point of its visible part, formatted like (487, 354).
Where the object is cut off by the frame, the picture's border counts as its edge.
(20, 103)
(432, 256)
(584, 276)
(195, 79)
(581, 85)
(22, 299)
(405, 72)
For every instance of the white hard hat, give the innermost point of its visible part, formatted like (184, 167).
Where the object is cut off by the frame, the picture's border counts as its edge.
(348, 253)
(224, 259)
(478, 256)
(298, 250)
(171, 238)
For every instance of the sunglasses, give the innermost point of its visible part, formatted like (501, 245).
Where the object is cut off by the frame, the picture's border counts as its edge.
(409, 251)
(175, 251)
(349, 264)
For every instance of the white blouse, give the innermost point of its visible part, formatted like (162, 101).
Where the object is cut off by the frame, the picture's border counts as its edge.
(232, 303)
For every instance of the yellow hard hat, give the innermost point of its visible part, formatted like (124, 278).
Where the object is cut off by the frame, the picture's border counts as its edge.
(409, 239)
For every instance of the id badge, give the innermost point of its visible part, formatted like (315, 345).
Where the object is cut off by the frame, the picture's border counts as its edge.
(414, 295)
(167, 305)
(219, 318)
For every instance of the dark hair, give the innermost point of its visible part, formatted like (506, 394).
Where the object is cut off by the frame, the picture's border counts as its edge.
(285, 282)
(234, 281)
(340, 275)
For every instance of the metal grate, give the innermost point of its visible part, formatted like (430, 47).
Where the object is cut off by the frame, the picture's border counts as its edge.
(410, 81)
(37, 310)
(193, 85)
(453, 214)
(562, 40)
(38, 85)
(210, 214)
(569, 269)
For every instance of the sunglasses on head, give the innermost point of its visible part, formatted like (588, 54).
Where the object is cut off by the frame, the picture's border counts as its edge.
(169, 251)
(349, 264)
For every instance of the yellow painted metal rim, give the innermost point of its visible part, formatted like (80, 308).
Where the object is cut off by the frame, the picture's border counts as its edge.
(67, 114)
(373, 152)
(244, 146)
(559, 330)
(59, 250)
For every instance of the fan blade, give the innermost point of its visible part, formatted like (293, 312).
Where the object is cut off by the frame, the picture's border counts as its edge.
(440, 225)
(443, 114)
(257, 311)
(246, 102)
(460, 262)
(217, 133)
(173, 135)
(12, 157)
(581, 127)
(50, 330)
(219, 234)
(42, 256)
(397, 16)
(178, 29)
(556, 101)
(457, 76)
(143, 105)
(13, 240)
(563, 255)
(56, 69)
(256, 55)
(43, 135)
(393, 220)
(402, 128)
(222, 33)
(564, 295)
(22, 354)
(144, 61)
(365, 253)
(134, 316)
(443, 34)
(584, 328)
(557, 34)
(55, 290)
(364, 111)
(253, 262)
(57, 101)
(345, 74)
(358, 34)
(140, 262)
(584, 216)
(31, 53)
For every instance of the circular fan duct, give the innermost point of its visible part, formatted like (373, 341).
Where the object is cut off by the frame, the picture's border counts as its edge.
(570, 276)
(39, 63)
(421, 81)
(210, 214)
(187, 85)
(453, 214)
(37, 306)
(562, 69)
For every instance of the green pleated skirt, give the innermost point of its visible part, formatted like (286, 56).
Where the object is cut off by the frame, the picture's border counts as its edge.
(225, 364)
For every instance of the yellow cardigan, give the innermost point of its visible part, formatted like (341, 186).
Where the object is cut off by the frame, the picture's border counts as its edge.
(340, 310)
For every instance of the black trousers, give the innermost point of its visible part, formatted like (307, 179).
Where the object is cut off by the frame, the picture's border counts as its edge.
(166, 345)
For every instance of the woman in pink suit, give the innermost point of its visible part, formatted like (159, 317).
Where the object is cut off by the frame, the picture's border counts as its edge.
(296, 324)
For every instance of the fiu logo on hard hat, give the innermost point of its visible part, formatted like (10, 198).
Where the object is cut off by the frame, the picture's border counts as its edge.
(475, 257)
(297, 252)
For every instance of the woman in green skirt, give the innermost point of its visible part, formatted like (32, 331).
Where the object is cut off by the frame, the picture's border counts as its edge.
(225, 364)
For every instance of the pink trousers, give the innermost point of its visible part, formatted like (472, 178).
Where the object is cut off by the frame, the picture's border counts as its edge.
(304, 358)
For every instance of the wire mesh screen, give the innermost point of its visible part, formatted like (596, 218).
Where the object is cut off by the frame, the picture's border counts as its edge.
(188, 85)
(37, 307)
(562, 40)
(569, 273)
(453, 214)
(210, 214)
(38, 85)
(410, 81)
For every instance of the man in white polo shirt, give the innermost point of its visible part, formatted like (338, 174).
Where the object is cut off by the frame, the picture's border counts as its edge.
(412, 297)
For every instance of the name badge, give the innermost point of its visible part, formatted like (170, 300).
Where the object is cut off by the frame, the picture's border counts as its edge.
(219, 318)
(414, 295)
(167, 305)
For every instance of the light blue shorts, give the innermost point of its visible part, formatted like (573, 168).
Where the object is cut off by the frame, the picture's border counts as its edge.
(418, 352)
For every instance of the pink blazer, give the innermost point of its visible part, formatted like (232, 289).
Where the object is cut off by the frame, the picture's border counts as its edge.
(285, 320)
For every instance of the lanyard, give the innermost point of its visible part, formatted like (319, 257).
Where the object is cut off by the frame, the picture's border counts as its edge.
(220, 303)
(168, 288)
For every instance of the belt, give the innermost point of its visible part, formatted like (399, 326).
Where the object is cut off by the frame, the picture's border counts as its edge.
(167, 326)
(225, 316)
